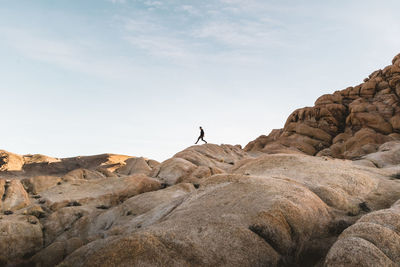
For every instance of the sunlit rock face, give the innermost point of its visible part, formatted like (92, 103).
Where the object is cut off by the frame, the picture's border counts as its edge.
(270, 204)
(271, 209)
(347, 124)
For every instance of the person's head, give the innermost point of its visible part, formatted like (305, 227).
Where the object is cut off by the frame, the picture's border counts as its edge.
(201, 128)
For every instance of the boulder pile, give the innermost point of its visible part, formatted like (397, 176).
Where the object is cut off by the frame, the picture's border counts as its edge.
(347, 124)
(207, 205)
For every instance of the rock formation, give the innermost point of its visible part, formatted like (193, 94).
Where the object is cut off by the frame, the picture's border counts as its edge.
(346, 124)
(271, 204)
(17, 165)
(374, 240)
(208, 205)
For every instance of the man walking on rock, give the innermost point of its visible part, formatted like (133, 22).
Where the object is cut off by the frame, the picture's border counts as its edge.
(201, 136)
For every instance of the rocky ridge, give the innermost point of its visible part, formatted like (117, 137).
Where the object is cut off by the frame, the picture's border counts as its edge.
(270, 204)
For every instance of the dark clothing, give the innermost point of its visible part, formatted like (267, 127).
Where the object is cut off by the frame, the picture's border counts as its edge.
(201, 137)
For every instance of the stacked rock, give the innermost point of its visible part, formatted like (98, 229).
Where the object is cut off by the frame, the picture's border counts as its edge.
(346, 124)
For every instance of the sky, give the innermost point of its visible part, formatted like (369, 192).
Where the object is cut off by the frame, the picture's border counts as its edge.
(138, 77)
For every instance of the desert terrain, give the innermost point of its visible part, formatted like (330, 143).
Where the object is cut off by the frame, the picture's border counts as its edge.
(322, 191)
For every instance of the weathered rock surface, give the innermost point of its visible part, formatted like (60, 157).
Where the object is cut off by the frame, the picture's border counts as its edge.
(106, 191)
(10, 161)
(83, 174)
(267, 218)
(137, 165)
(56, 252)
(197, 162)
(338, 183)
(221, 206)
(37, 184)
(346, 124)
(387, 156)
(20, 237)
(273, 210)
(262, 227)
(374, 240)
(86, 225)
(14, 196)
(44, 165)
(62, 166)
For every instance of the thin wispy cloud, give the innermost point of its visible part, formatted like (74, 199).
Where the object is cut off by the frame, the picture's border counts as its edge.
(117, 1)
(203, 39)
(153, 3)
(190, 10)
(71, 55)
(161, 46)
(241, 34)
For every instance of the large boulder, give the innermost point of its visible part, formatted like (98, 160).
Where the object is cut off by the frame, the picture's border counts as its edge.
(10, 161)
(56, 252)
(14, 196)
(108, 192)
(135, 166)
(388, 155)
(71, 227)
(373, 241)
(197, 162)
(271, 225)
(20, 237)
(63, 223)
(37, 184)
(340, 184)
(211, 155)
(83, 174)
(42, 165)
(174, 170)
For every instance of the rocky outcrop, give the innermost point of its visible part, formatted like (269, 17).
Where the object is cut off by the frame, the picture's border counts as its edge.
(20, 237)
(38, 190)
(14, 196)
(83, 225)
(10, 161)
(271, 210)
(340, 184)
(259, 228)
(387, 156)
(137, 165)
(268, 213)
(83, 174)
(107, 192)
(197, 162)
(38, 184)
(346, 124)
(373, 241)
(43, 165)
(274, 210)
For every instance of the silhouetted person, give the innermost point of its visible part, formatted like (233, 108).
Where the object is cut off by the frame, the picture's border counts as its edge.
(201, 136)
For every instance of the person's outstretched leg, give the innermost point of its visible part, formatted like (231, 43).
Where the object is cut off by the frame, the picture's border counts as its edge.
(197, 141)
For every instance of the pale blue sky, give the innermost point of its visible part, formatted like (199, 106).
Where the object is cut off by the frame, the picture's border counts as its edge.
(138, 77)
